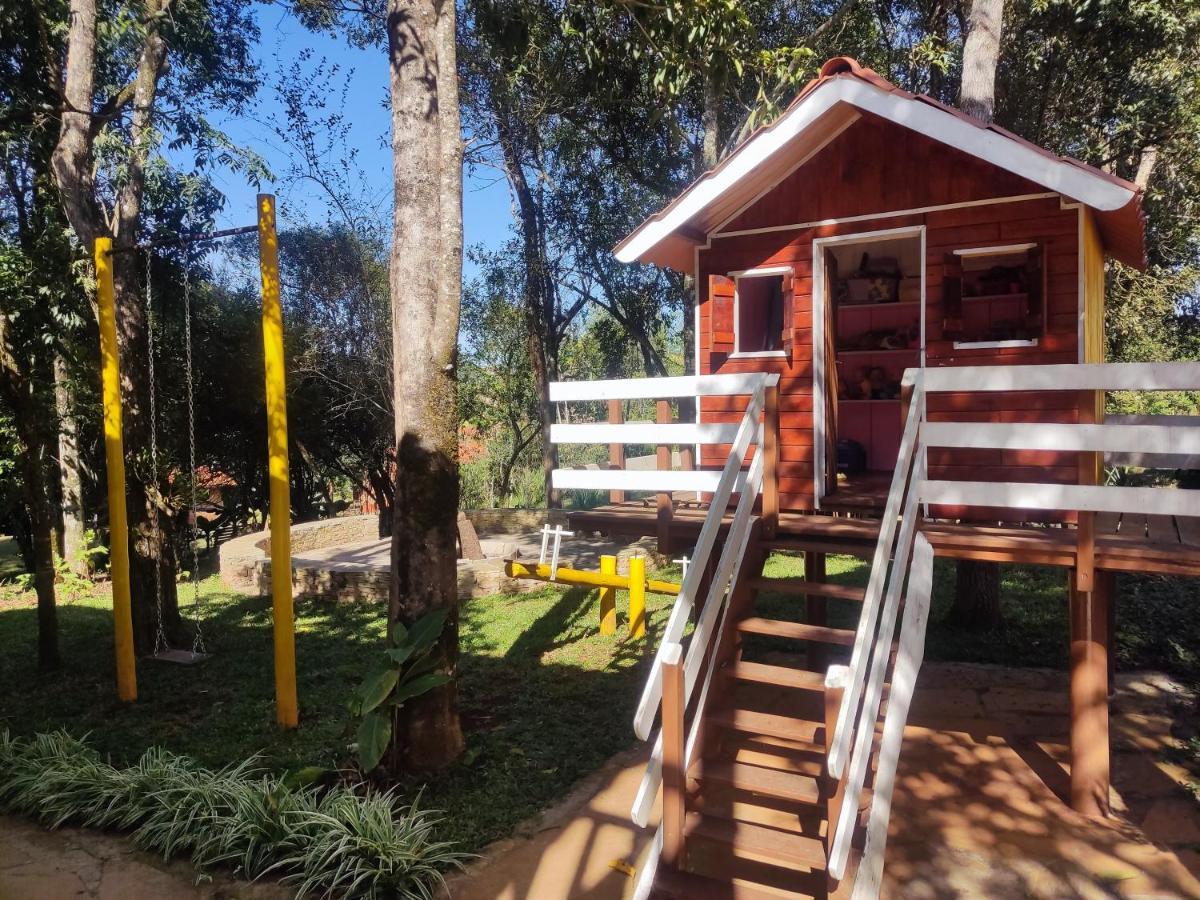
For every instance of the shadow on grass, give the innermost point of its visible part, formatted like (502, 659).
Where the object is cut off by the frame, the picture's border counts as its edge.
(545, 698)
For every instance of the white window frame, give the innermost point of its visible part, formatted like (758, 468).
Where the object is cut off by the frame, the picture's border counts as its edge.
(1000, 250)
(738, 353)
(818, 330)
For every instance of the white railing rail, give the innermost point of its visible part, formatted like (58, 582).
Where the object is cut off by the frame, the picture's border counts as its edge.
(742, 438)
(902, 564)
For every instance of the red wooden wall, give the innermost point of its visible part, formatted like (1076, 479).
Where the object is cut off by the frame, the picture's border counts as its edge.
(878, 167)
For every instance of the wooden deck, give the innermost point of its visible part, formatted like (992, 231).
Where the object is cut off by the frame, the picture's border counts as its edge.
(1163, 545)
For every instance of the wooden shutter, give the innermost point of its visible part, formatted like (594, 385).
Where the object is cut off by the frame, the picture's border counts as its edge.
(1035, 272)
(789, 315)
(951, 296)
(720, 296)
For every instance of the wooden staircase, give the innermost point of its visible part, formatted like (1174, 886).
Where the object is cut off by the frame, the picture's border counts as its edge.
(750, 818)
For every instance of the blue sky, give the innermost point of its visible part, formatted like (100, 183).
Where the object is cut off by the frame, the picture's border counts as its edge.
(486, 208)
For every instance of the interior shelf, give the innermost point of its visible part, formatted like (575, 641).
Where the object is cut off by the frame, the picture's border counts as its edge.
(995, 297)
(892, 305)
(867, 400)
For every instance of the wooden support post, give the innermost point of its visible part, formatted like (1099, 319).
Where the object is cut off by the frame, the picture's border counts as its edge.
(1108, 584)
(114, 456)
(1090, 412)
(1089, 700)
(674, 778)
(833, 789)
(608, 597)
(616, 452)
(816, 610)
(770, 450)
(287, 711)
(637, 596)
(664, 502)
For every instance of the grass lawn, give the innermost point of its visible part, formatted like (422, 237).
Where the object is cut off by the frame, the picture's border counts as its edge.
(10, 559)
(545, 699)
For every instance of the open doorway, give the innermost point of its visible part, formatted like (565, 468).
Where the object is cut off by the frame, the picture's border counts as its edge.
(868, 323)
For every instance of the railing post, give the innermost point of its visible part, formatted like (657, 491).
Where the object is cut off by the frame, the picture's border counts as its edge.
(1090, 412)
(770, 450)
(816, 609)
(664, 502)
(616, 452)
(833, 788)
(674, 777)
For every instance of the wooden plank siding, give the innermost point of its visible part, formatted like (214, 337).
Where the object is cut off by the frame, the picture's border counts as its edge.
(871, 169)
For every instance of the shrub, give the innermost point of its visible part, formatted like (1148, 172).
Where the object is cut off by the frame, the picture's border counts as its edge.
(332, 841)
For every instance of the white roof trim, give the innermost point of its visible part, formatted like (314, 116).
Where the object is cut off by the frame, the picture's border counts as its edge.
(1055, 174)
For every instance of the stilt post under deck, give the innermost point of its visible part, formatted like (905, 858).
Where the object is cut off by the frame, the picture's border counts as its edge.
(1089, 697)
(664, 502)
(616, 452)
(816, 610)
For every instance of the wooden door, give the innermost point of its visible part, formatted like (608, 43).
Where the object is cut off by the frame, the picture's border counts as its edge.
(831, 372)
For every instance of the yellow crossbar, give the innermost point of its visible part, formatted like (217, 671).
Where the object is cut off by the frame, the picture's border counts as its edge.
(541, 572)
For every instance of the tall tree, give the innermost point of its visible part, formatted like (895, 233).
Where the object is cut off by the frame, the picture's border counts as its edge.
(426, 285)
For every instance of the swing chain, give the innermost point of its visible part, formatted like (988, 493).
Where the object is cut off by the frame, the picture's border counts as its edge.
(194, 523)
(160, 637)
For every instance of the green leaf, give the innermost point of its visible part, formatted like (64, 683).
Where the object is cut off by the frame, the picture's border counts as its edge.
(305, 777)
(419, 686)
(376, 688)
(426, 630)
(399, 632)
(374, 735)
(399, 655)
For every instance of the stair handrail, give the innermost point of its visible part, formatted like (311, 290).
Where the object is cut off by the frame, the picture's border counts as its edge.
(703, 637)
(749, 432)
(912, 384)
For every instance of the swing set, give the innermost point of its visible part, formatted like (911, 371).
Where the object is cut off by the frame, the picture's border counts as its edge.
(286, 706)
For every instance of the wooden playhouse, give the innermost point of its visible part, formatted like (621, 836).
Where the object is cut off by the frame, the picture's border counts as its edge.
(868, 231)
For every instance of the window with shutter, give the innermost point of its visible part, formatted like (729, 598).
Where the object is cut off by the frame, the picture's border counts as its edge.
(995, 296)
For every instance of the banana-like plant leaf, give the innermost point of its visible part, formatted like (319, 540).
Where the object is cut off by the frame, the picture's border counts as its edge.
(376, 688)
(374, 735)
(399, 655)
(426, 630)
(418, 686)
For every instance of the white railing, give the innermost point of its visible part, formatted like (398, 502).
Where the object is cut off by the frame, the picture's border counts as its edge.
(909, 571)
(742, 439)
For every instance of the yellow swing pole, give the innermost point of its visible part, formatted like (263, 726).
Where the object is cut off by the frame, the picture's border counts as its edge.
(287, 712)
(114, 454)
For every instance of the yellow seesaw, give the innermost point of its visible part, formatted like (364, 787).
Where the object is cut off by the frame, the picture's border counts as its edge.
(609, 582)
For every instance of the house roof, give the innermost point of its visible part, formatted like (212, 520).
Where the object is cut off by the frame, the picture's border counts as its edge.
(828, 104)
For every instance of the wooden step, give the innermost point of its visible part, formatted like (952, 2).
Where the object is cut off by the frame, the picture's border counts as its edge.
(804, 588)
(672, 885)
(779, 676)
(796, 631)
(755, 842)
(790, 786)
(804, 734)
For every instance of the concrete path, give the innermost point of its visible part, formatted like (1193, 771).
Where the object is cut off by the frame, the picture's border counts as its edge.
(36, 864)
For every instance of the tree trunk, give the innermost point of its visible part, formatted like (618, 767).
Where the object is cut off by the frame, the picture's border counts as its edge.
(426, 282)
(976, 604)
(31, 421)
(69, 473)
(981, 56)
